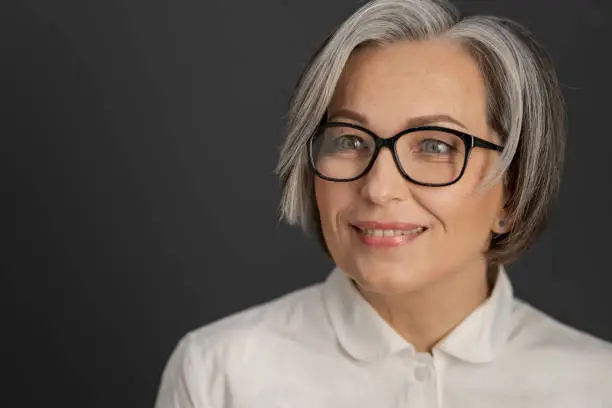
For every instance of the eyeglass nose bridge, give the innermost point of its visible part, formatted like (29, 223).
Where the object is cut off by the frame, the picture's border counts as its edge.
(389, 143)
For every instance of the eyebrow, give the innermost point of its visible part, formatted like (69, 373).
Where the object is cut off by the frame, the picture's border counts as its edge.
(412, 122)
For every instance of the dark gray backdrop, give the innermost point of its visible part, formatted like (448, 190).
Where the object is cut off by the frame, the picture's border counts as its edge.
(139, 140)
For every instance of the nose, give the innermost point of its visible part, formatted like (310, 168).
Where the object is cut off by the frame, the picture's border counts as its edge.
(384, 182)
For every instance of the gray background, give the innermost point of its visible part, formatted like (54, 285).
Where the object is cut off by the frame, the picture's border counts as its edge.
(138, 142)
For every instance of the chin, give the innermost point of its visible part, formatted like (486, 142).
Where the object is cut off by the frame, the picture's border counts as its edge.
(388, 277)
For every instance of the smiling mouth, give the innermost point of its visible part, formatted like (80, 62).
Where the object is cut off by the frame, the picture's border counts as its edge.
(387, 237)
(390, 232)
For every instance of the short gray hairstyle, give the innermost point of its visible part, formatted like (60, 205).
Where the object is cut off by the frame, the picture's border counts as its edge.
(525, 109)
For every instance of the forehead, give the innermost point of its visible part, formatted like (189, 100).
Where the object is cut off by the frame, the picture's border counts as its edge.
(391, 84)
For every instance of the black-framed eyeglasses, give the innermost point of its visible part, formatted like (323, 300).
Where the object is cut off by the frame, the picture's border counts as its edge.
(432, 156)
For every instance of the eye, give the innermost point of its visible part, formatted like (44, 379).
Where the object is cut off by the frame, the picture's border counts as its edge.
(348, 142)
(434, 146)
(343, 141)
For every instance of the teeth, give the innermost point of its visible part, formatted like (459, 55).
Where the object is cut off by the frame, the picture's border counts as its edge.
(391, 232)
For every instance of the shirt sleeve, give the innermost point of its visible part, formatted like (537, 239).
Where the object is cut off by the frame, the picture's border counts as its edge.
(182, 379)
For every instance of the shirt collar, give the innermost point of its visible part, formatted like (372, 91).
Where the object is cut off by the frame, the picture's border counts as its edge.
(367, 336)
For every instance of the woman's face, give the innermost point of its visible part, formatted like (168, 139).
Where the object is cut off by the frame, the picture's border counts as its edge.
(388, 89)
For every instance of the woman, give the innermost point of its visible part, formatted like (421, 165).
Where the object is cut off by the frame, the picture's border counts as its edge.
(425, 150)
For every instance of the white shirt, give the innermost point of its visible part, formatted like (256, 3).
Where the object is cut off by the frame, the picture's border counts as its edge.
(324, 346)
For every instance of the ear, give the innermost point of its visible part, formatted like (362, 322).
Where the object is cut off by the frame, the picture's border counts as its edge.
(501, 223)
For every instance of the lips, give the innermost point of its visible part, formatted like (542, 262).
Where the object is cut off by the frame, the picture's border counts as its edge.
(387, 234)
(391, 232)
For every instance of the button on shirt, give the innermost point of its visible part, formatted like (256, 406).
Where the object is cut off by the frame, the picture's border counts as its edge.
(325, 346)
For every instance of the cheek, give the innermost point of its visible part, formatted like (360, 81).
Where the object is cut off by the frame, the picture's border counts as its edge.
(332, 198)
(467, 217)
(465, 206)
(334, 202)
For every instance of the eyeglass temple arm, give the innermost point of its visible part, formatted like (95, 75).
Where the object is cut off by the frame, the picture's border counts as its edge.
(478, 142)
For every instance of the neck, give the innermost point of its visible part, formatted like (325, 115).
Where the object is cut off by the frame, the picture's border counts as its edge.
(425, 317)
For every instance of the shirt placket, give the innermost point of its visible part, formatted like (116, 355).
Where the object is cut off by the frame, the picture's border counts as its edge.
(422, 391)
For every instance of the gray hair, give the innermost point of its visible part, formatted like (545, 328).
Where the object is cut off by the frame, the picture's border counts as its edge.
(525, 109)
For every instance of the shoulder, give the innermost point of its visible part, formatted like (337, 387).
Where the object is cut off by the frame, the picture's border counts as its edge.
(197, 372)
(282, 316)
(556, 345)
(239, 335)
(236, 337)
